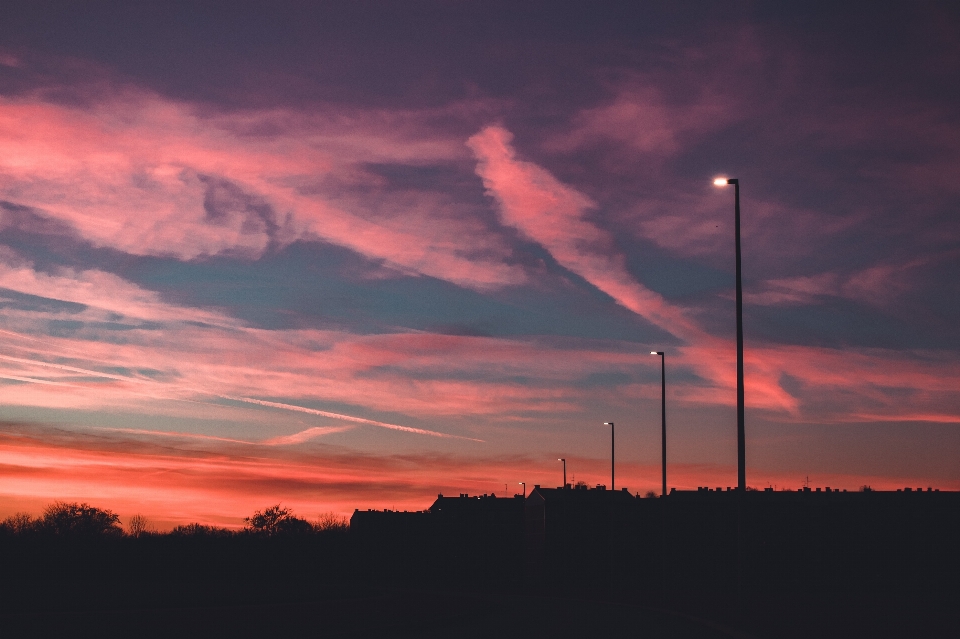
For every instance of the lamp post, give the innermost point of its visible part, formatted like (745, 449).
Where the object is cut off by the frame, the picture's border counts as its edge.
(741, 438)
(613, 485)
(663, 417)
(524, 488)
(561, 459)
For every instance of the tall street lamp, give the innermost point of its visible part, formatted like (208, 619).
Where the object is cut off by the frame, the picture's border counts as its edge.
(663, 417)
(741, 438)
(524, 488)
(613, 485)
(561, 459)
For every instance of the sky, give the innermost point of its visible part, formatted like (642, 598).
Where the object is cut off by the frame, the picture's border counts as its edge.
(355, 254)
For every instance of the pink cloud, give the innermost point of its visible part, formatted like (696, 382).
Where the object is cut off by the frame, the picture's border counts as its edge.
(877, 285)
(695, 220)
(425, 375)
(104, 292)
(283, 440)
(554, 215)
(304, 435)
(429, 376)
(136, 172)
(641, 118)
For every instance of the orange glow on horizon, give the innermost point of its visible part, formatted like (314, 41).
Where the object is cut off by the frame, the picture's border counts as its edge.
(222, 483)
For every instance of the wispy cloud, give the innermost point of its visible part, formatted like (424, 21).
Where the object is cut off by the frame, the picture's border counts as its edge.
(103, 293)
(282, 440)
(304, 435)
(151, 176)
(555, 215)
(349, 418)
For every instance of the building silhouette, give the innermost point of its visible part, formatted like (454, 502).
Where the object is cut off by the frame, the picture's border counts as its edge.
(710, 533)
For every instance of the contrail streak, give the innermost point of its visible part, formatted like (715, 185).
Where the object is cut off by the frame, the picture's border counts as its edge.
(304, 435)
(33, 380)
(21, 336)
(349, 418)
(295, 438)
(247, 400)
(162, 433)
(72, 369)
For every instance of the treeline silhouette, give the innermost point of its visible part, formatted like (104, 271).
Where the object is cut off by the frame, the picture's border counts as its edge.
(80, 540)
(789, 564)
(81, 520)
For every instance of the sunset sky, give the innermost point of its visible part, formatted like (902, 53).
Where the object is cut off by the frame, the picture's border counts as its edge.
(354, 254)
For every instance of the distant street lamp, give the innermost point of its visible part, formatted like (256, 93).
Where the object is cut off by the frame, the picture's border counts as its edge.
(613, 485)
(564, 484)
(663, 417)
(524, 488)
(741, 438)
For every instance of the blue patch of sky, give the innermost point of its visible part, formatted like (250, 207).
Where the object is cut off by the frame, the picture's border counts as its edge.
(64, 328)
(448, 178)
(317, 284)
(792, 385)
(672, 276)
(37, 304)
(605, 379)
(835, 323)
(122, 326)
(72, 420)
(445, 374)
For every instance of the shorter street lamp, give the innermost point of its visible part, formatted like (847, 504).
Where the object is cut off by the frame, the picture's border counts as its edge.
(663, 416)
(564, 485)
(613, 485)
(524, 488)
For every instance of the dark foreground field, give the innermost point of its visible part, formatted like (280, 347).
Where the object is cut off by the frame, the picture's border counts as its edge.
(274, 607)
(269, 608)
(330, 586)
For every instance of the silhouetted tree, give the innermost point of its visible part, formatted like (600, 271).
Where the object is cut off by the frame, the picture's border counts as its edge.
(199, 530)
(81, 520)
(138, 526)
(18, 524)
(650, 494)
(277, 521)
(331, 521)
(866, 489)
